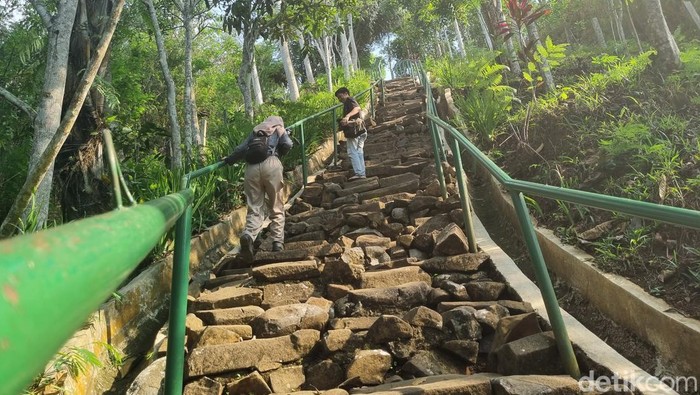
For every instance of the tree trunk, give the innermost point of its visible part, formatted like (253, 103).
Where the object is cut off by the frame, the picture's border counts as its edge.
(598, 32)
(448, 43)
(634, 28)
(307, 63)
(692, 12)
(48, 115)
(353, 46)
(345, 57)
(460, 41)
(203, 131)
(323, 47)
(438, 46)
(512, 56)
(484, 29)
(257, 90)
(661, 38)
(617, 17)
(191, 127)
(44, 164)
(544, 67)
(175, 139)
(250, 34)
(289, 70)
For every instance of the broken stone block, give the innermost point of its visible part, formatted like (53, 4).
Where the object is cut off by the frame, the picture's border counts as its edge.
(369, 366)
(488, 321)
(218, 334)
(284, 320)
(371, 240)
(422, 202)
(324, 375)
(389, 328)
(515, 307)
(438, 296)
(355, 324)
(337, 291)
(451, 241)
(274, 294)
(288, 379)
(535, 385)
(377, 255)
(438, 222)
(276, 272)
(424, 242)
(392, 299)
(252, 384)
(203, 386)
(228, 297)
(392, 230)
(231, 316)
(345, 270)
(534, 354)
(426, 363)
(459, 263)
(485, 290)
(400, 215)
(405, 240)
(422, 316)
(393, 277)
(466, 350)
(462, 323)
(457, 291)
(515, 327)
(262, 354)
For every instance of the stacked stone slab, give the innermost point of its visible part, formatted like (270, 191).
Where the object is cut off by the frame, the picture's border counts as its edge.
(376, 291)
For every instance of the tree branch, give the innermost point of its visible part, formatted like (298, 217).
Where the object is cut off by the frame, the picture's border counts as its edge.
(31, 113)
(43, 13)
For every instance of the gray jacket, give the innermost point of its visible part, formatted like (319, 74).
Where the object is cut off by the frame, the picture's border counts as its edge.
(279, 142)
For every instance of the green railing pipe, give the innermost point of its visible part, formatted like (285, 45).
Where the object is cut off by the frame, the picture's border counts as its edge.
(657, 212)
(175, 361)
(113, 167)
(335, 139)
(479, 156)
(304, 169)
(434, 136)
(69, 261)
(464, 197)
(544, 283)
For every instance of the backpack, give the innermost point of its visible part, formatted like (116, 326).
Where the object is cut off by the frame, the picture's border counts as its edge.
(258, 148)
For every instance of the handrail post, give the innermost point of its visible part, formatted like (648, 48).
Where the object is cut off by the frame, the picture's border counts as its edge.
(113, 167)
(335, 139)
(371, 102)
(434, 135)
(544, 283)
(304, 171)
(464, 197)
(175, 361)
(383, 93)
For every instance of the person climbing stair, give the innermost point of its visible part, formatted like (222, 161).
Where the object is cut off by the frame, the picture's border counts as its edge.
(263, 178)
(354, 131)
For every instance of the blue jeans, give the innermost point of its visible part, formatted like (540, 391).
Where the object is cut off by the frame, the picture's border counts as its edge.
(357, 154)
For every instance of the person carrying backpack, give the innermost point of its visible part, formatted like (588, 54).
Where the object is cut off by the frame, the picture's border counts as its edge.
(354, 131)
(263, 178)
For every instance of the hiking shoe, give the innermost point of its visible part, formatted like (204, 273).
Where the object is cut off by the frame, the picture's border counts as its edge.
(356, 178)
(277, 246)
(247, 252)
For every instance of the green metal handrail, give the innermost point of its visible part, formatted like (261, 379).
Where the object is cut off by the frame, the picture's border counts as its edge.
(516, 188)
(73, 265)
(54, 279)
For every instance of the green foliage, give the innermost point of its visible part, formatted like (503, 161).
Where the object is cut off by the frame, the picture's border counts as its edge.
(72, 362)
(625, 138)
(485, 102)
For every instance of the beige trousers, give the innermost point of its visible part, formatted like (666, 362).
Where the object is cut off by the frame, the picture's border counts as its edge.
(264, 180)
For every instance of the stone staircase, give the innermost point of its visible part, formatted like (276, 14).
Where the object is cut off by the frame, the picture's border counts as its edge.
(375, 292)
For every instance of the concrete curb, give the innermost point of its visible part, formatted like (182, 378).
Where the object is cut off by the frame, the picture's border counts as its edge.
(593, 347)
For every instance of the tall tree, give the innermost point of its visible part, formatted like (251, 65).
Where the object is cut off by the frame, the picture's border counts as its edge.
(44, 163)
(292, 86)
(175, 139)
(668, 58)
